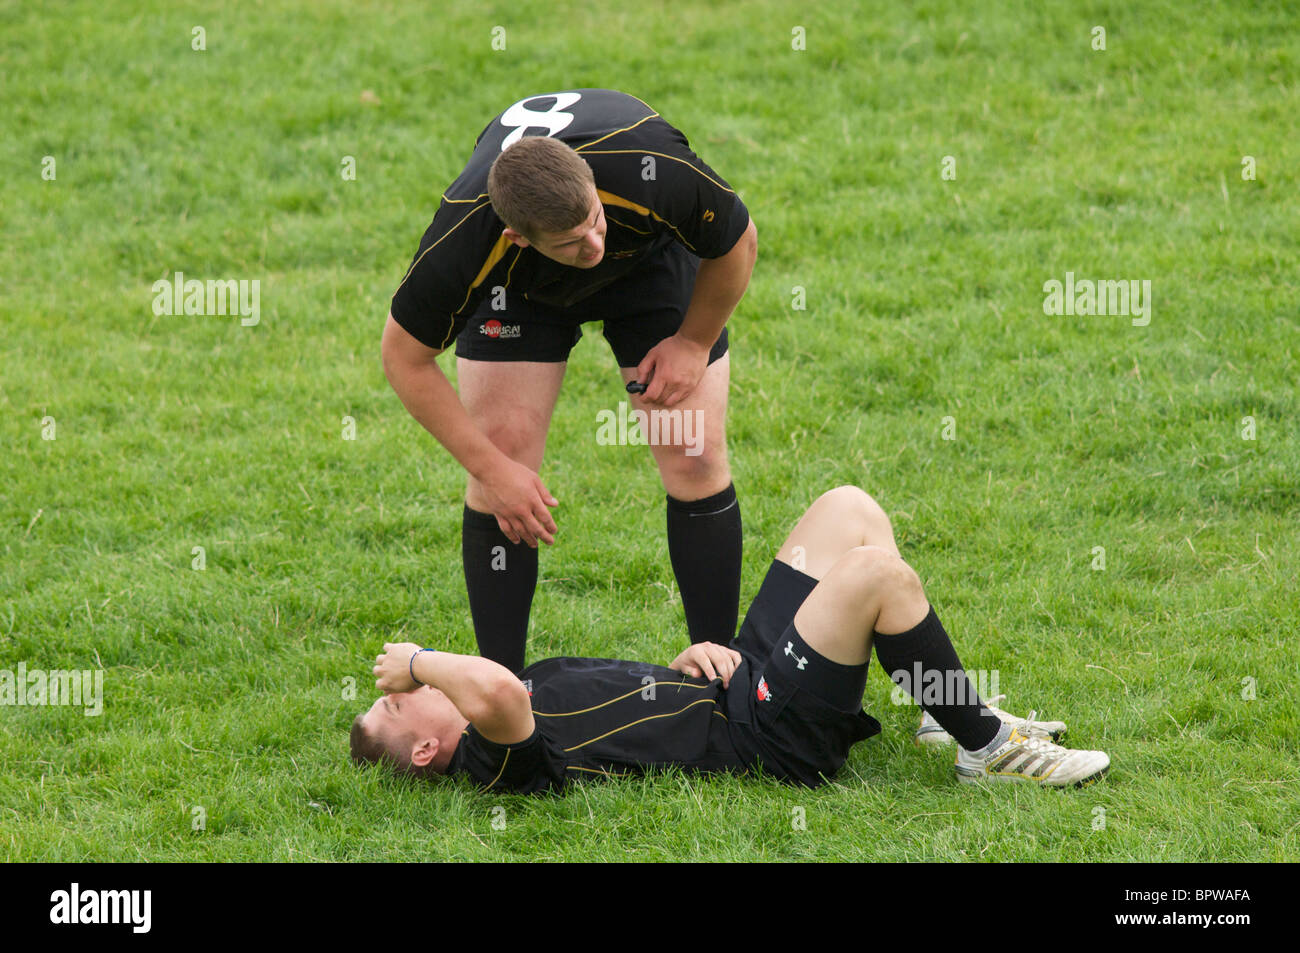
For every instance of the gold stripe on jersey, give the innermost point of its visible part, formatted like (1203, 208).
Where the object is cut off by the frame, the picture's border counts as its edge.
(503, 768)
(616, 698)
(588, 145)
(511, 270)
(642, 102)
(620, 774)
(498, 252)
(609, 198)
(630, 228)
(601, 771)
(649, 152)
(632, 724)
(495, 252)
(440, 240)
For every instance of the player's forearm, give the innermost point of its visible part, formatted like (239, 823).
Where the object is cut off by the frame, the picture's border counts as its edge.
(478, 687)
(429, 397)
(720, 283)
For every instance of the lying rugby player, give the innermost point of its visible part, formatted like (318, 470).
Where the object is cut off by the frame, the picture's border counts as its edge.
(785, 694)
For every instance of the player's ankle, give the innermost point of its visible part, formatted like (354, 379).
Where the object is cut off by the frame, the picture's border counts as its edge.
(1001, 738)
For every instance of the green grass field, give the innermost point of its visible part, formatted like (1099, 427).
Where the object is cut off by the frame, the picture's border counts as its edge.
(228, 691)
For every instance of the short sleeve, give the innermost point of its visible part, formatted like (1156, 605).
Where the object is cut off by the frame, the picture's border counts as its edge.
(707, 216)
(423, 305)
(531, 766)
(444, 284)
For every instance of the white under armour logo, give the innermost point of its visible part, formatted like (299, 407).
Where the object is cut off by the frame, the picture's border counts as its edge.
(789, 650)
(521, 117)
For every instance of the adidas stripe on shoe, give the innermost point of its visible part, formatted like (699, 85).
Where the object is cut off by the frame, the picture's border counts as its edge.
(1022, 758)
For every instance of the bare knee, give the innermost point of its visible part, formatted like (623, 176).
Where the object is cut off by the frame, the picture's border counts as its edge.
(876, 567)
(694, 476)
(519, 438)
(852, 503)
(522, 440)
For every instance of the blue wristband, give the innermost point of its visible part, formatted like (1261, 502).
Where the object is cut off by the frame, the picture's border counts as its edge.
(411, 665)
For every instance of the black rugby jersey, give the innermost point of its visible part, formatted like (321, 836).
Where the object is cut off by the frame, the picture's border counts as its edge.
(603, 717)
(654, 190)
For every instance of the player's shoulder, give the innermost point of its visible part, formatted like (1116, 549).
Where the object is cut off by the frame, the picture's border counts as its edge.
(532, 766)
(577, 117)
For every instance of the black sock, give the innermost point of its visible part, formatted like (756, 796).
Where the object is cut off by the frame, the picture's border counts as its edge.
(704, 547)
(923, 662)
(500, 577)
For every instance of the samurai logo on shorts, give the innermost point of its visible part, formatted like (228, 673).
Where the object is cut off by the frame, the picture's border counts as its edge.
(495, 329)
(764, 693)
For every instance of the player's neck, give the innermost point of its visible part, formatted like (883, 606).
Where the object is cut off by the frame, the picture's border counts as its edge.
(448, 744)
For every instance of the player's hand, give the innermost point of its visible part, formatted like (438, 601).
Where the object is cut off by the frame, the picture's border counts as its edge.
(393, 668)
(672, 370)
(518, 498)
(708, 660)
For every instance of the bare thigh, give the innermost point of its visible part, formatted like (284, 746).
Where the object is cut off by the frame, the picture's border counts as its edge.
(837, 521)
(511, 402)
(689, 439)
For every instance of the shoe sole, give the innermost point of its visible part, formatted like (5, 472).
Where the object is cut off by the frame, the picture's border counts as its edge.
(977, 776)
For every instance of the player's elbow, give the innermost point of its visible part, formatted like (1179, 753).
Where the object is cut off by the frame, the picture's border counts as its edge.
(388, 347)
(496, 694)
(745, 251)
(400, 352)
(749, 240)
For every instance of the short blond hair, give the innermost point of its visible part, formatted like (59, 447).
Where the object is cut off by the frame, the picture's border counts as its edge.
(540, 185)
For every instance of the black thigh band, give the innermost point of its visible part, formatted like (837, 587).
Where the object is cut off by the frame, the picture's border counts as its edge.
(839, 686)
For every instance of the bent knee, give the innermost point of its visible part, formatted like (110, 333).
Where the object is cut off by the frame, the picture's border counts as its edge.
(856, 503)
(876, 565)
(518, 438)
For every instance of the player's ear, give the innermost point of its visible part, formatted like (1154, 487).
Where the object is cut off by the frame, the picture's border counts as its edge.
(516, 237)
(424, 752)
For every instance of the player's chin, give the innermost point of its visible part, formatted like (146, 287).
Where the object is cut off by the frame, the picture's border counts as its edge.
(590, 263)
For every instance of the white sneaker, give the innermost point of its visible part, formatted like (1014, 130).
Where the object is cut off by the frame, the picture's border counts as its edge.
(931, 732)
(1022, 758)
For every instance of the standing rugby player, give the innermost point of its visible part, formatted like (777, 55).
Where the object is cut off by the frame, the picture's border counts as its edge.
(576, 206)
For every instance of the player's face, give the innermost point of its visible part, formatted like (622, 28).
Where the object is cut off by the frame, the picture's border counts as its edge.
(401, 720)
(581, 247)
